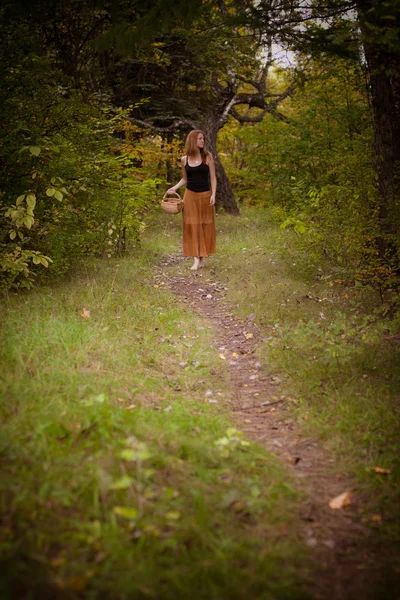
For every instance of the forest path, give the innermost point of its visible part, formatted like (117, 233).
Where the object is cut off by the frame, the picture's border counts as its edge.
(345, 560)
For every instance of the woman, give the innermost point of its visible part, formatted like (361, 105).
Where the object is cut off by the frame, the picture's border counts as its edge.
(198, 172)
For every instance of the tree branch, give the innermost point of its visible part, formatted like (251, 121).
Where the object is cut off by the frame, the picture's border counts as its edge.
(174, 125)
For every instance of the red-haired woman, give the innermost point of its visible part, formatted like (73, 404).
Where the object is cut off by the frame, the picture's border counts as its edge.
(198, 174)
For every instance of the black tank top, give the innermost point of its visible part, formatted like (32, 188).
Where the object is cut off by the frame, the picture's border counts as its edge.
(198, 179)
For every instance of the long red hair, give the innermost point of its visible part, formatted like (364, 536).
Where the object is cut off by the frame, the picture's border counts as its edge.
(191, 147)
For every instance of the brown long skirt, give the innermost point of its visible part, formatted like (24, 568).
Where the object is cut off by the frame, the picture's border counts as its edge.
(199, 236)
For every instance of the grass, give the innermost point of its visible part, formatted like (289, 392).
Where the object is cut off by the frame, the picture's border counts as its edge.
(338, 358)
(112, 485)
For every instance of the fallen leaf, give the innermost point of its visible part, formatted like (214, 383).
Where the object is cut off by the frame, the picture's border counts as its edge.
(239, 506)
(340, 501)
(235, 354)
(85, 314)
(376, 518)
(222, 357)
(248, 336)
(381, 471)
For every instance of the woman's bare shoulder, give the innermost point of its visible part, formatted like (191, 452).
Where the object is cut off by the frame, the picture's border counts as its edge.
(183, 159)
(209, 159)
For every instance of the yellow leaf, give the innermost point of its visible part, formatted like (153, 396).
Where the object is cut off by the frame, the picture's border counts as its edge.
(222, 357)
(381, 470)
(235, 354)
(340, 501)
(249, 336)
(85, 314)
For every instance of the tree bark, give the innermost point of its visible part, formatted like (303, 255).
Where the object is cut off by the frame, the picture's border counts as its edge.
(225, 197)
(384, 80)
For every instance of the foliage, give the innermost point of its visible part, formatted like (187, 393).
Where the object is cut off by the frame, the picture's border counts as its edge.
(68, 186)
(316, 169)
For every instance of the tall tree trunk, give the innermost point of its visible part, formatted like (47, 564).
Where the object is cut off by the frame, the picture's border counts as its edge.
(225, 197)
(383, 60)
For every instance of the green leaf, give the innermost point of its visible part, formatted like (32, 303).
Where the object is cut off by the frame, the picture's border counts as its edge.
(28, 221)
(13, 234)
(122, 484)
(58, 195)
(20, 200)
(173, 515)
(300, 227)
(31, 200)
(126, 512)
(100, 398)
(127, 454)
(50, 191)
(35, 150)
(36, 260)
(44, 262)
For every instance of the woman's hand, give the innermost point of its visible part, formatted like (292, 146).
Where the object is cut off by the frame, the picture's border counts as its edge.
(171, 190)
(212, 199)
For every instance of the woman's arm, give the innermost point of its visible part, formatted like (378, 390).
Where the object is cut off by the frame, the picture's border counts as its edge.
(213, 178)
(183, 181)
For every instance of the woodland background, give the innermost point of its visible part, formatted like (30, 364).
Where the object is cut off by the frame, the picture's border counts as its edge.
(123, 473)
(96, 98)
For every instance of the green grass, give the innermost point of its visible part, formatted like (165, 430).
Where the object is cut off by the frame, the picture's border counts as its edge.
(112, 485)
(338, 358)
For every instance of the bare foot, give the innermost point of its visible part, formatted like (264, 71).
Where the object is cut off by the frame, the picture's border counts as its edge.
(201, 263)
(195, 265)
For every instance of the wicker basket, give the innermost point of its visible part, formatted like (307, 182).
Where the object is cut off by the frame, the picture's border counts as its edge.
(173, 205)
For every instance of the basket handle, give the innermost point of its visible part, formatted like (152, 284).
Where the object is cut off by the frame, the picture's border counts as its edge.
(165, 197)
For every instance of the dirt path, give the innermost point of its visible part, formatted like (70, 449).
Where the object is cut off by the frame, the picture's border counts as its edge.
(344, 553)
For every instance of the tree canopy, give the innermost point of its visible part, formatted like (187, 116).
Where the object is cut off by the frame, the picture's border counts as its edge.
(97, 96)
